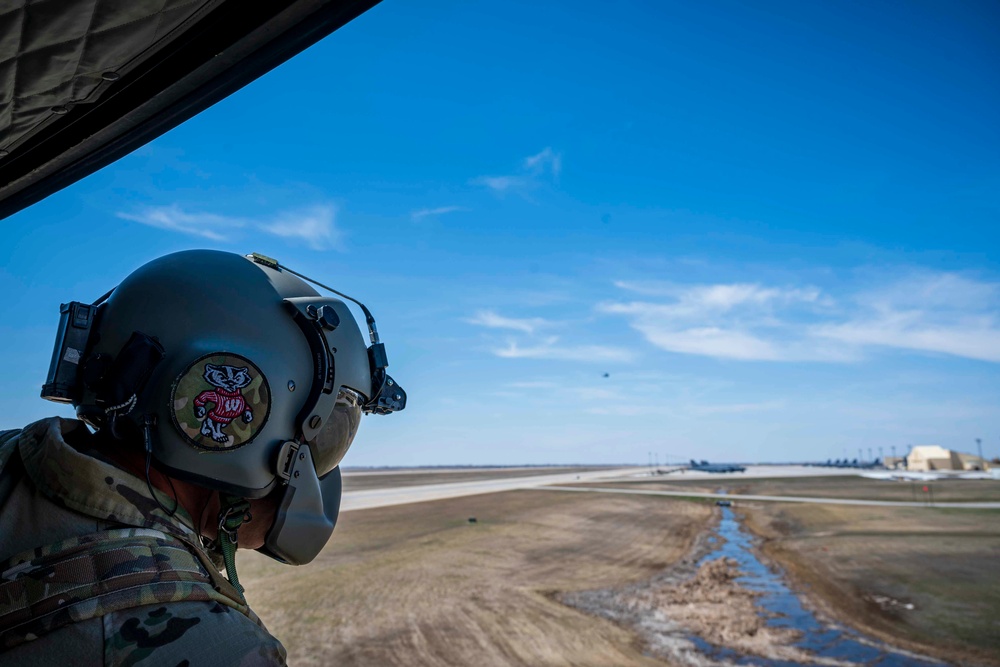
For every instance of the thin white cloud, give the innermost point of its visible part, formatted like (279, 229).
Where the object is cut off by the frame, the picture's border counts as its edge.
(547, 159)
(314, 226)
(712, 342)
(492, 320)
(550, 349)
(546, 164)
(935, 291)
(938, 313)
(501, 184)
(721, 297)
(173, 218)
(719, 321)
(648, 287)
(533, 384)
(420, 214)
(944, 313)
(972, 339)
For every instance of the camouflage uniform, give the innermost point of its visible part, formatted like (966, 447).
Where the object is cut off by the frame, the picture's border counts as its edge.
(54, 496)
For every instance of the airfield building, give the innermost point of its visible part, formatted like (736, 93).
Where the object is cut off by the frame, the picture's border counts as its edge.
(924, 458)
(973, 462)
(894, 462)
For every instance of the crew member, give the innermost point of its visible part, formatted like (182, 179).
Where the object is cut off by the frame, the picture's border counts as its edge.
(216, 395)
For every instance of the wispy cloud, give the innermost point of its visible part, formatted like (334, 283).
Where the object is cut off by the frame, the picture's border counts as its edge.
(728, 321)
(502, 184)
(533, 384)
(534, 169)
(420, 214)
(314, 226)
(534, 346)
(173, 218)
(721, 297)
(939, 313)
(492, 320)
(943, 313)
(546, 160)
(551, 349)
(707, 341)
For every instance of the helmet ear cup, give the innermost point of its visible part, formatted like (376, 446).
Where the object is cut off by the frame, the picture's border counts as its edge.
(120, 388)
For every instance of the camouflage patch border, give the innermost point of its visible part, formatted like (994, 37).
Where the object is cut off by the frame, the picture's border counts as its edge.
(188, 425)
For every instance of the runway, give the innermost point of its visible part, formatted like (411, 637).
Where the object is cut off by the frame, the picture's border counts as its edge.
(673, 474)
(404, 495)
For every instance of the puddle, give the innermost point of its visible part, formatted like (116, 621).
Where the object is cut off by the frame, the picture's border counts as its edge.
(723, 591)
(784, 609)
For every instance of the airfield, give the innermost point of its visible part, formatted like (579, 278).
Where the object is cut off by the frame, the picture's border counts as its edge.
(572, 566)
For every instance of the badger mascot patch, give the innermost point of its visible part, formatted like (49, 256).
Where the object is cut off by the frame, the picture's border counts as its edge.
(221, 401)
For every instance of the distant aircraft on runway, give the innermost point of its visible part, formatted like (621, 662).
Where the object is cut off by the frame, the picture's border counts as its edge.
(846, 463)
(705, 466)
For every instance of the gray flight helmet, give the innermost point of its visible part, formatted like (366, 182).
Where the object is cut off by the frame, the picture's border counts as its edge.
(237, 375)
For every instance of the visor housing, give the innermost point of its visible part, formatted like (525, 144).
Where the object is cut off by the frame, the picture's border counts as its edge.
(335, 438)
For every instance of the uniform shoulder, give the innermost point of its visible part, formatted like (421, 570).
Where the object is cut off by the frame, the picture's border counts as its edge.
(195, 634)
(8, 441)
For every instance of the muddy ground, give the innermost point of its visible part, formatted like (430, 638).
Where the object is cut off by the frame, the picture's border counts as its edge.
(590, 579)
(694, 598)
(419, 585)
(924, 579)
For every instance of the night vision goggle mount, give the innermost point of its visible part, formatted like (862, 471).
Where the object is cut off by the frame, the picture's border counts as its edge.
(387, 396)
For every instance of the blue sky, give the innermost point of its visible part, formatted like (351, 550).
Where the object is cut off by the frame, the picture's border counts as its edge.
(774, 227)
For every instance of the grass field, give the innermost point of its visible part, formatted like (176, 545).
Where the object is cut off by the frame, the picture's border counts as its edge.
(867, 564)
(848, 486)
(419, 585)
(362, 480)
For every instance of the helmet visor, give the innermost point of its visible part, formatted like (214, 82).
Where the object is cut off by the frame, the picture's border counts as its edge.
(337, 434)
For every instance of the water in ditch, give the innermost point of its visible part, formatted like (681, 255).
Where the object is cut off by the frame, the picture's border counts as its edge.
(783, 608)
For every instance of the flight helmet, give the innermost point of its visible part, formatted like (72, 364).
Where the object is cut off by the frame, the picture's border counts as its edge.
(237, 375)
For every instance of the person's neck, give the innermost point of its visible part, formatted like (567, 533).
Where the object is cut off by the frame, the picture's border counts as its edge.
(201, 504)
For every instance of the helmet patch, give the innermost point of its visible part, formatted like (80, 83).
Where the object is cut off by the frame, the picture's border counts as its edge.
(220, 402)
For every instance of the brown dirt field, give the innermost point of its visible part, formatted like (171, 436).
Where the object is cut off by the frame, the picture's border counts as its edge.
(418, 585)
(851, 486)
(353, 481)
(863, 566)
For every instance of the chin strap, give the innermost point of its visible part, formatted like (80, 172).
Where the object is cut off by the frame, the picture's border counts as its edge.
(234, 511)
